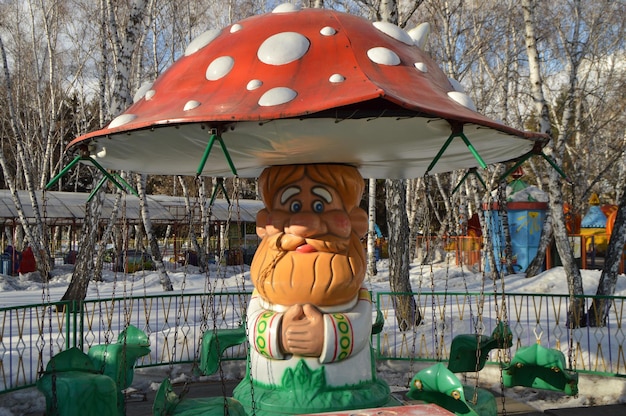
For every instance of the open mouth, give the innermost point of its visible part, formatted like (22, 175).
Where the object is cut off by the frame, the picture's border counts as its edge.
(306, 248)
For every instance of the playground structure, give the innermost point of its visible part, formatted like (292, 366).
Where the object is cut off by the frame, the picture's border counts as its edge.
(290, 117)
(589, 237)
(65, 213)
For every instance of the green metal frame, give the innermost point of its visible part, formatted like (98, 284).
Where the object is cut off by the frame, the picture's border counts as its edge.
(219, 186)
(469, 172)
(469, 145)
(527, 156)
(472, 150)
(207, 151)
(112, 178)
(482, 163)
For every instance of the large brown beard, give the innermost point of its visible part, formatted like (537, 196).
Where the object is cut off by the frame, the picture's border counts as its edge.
(322, 278)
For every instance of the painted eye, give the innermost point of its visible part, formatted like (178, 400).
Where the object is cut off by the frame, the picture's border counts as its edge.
(456, 395)
(318, 206)
(296, 206)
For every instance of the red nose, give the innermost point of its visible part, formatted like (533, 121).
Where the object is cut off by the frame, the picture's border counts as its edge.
(305, 225)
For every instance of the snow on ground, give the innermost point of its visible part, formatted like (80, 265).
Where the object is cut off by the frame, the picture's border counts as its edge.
(594, 390)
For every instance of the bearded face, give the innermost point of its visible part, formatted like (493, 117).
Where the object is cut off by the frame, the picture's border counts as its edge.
(310, 250)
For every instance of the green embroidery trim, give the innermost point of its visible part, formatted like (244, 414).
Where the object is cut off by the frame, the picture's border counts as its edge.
(262, 334)
(344, 336)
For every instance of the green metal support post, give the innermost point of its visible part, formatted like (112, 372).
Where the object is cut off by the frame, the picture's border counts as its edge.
(470, 171)
(469, 145)
(207, 152)
(86, 157)
(220, 185)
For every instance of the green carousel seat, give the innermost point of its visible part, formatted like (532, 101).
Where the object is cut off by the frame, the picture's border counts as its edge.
(73, 386)
(541, 368)
(438, 385)
(469, 352)
(214, 343)
(118, 360)
(167, 403)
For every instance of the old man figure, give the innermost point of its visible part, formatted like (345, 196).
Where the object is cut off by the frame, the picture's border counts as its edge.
(309, 319)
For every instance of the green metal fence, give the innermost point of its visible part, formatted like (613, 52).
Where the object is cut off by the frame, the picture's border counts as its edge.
(31, 334)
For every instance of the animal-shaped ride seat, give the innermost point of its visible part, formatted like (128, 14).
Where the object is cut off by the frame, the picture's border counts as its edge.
(73, 386)
(541, 368)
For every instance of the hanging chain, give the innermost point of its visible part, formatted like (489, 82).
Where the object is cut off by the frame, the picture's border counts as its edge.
(476, 322)
(47, 307)
(128, 295)
(572, 354)
(200, 204)
(126, 274)
(181, 300)
(419, 301)
(243, 298)
(426, 239)
(501, 313)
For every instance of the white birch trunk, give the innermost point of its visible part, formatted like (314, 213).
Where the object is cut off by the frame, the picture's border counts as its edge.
(123, 46)
(155, 251)
(371, 234)
(599, 309)
(555, 192)
(34, 233)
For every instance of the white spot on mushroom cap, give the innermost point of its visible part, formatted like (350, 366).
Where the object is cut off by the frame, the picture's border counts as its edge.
(219, 68)
(328, 31)
(235, 28)
(149, 94)
(286, 8)
(141, 92)
(283, 48)
(277, 96)
(254, 84)
(191, 104)
(462, 99)
(383, 56)
(121, 120)
(201, 41)
(395, 32)
(336, 78)
(419, 34)
(421, 66)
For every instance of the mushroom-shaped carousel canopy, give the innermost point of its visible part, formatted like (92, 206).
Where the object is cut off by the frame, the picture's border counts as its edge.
(303, 86)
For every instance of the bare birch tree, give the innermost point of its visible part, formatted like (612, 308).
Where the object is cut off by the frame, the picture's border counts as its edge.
(407, 312)
(35, 89)
(371, 233)
(599, 309)
(155, 251)
(556, 149)
(125, 42)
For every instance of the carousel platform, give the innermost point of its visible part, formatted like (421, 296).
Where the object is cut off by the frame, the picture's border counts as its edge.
(142, 406)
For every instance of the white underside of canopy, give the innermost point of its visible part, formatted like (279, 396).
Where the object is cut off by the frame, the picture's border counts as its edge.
(384, 147)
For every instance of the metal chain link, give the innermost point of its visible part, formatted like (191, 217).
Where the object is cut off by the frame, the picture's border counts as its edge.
(418, 305)
(501, 314)
(45, 298)
(181, 301)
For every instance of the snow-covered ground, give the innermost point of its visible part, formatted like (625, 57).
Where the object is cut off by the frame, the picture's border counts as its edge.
(444, 276)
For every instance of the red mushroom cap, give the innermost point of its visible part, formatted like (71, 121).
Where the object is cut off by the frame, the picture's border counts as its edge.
(302, 86)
